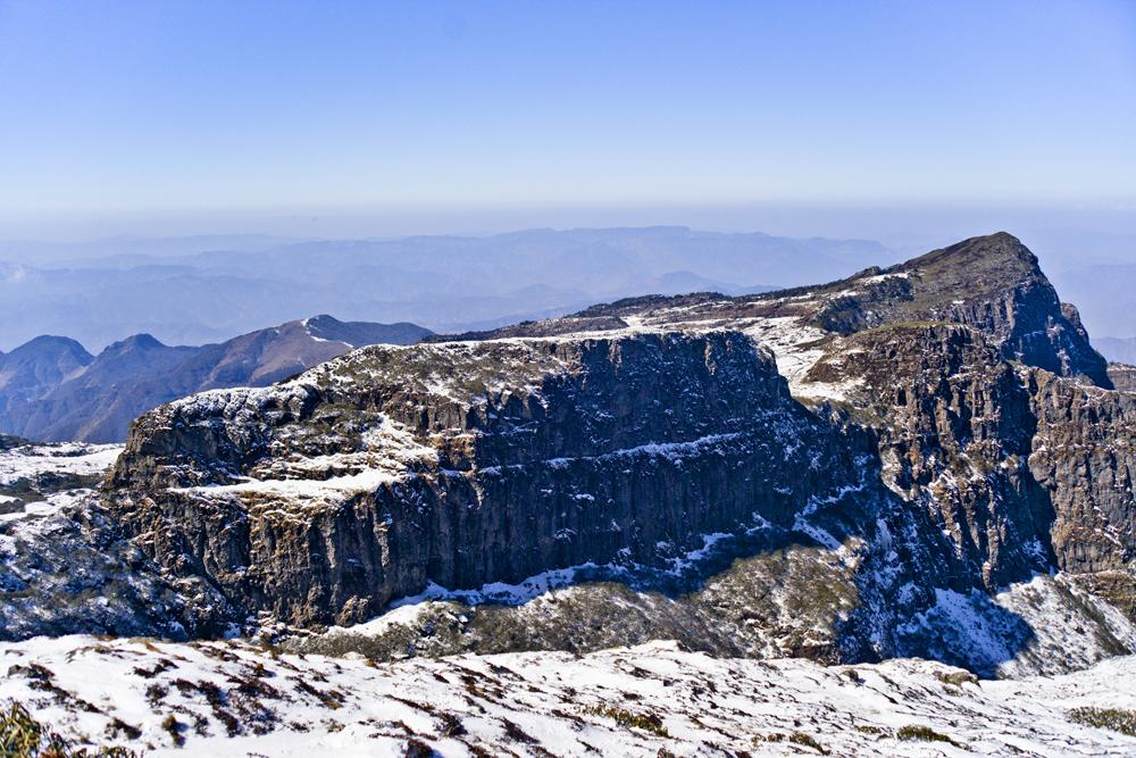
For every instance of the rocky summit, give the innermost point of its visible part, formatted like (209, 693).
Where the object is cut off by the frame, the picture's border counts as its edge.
(924, 460)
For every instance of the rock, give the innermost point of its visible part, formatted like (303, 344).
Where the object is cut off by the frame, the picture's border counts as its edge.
(946, 431)
(470, 463)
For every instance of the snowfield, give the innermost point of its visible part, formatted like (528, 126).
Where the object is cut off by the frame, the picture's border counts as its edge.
(75, 458)
(39, 480)
(236, 698)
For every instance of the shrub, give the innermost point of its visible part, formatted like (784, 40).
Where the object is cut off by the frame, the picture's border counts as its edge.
(801, 738)
(648, 722)
(1116, 719)
(923, 734)
(21, 736)
(957, 678)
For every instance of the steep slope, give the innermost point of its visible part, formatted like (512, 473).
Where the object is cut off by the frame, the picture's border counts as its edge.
(947, 434)
(98, 402)
(414, 464)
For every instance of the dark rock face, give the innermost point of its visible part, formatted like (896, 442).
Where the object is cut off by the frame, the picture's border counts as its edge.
(946, 431)
(557, 466)
(954, 426)
(1084, 454)
(73, 572)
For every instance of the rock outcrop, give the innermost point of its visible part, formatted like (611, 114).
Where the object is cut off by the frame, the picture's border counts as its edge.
(910, 441)
(324, 498)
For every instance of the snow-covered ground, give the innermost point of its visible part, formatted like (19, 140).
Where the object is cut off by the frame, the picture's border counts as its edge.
(36, 480)
(235, 698)
(76, 458)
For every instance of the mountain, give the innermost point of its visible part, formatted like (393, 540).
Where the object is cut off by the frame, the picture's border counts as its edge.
(924, 460)
(198, 290)
(1118, 349)
(29, 372)
(97, 400)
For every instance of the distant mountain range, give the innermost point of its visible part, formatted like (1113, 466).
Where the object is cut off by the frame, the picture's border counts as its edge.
(52, 389)
(206, 289)
(1119, 349)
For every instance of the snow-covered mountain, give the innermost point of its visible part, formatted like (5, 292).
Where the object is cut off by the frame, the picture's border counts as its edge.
(924, 461)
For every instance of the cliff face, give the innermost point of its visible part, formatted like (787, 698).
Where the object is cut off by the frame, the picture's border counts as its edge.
(849, 471)
(464, 464)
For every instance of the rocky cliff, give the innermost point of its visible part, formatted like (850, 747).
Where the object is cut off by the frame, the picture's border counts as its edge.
(326, 497)
(884, 465)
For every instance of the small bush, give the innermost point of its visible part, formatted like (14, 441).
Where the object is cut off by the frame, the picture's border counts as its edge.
(957, 678)
(648, 722)
(416, 748)
(801, 738)
(21, 736)
(1116, 719)
(921, 733)
(174, 728)
(872, 729)
(797, 738)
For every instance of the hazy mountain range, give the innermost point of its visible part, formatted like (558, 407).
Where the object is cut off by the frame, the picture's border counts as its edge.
(51, 388)
(203, 289)
(1121, 350)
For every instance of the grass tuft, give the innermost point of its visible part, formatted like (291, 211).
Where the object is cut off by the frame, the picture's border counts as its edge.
(1116, 719)
(920, 733)
(648, 722)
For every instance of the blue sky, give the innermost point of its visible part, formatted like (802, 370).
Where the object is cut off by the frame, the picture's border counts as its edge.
(164, 107)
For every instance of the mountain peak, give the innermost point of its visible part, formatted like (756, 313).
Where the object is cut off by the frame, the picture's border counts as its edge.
(143, 341)
(989, 259)
(50, 342)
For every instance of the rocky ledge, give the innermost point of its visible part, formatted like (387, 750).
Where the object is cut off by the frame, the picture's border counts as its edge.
(326, 497)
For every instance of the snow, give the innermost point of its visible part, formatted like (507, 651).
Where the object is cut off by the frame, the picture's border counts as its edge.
(542, 584)
(237, 698)
(29, 465)
(364, 481)
(75, 458)
(391, 451)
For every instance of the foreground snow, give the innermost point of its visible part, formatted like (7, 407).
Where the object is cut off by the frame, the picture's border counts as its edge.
(234, 698)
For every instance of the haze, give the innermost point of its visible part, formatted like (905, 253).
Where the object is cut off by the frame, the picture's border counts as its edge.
(176, 128)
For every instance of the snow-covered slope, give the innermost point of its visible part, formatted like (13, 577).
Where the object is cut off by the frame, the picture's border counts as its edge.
(233, 698)
(39, 479)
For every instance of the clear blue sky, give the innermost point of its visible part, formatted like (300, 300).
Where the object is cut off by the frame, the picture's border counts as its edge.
(160, 105)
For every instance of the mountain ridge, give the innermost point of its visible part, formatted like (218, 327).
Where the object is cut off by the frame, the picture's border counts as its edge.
(96, 401)
(948, 408)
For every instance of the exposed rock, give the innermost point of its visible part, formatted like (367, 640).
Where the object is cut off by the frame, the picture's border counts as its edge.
(468, 463)
(946, 431)
(1122, 376)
